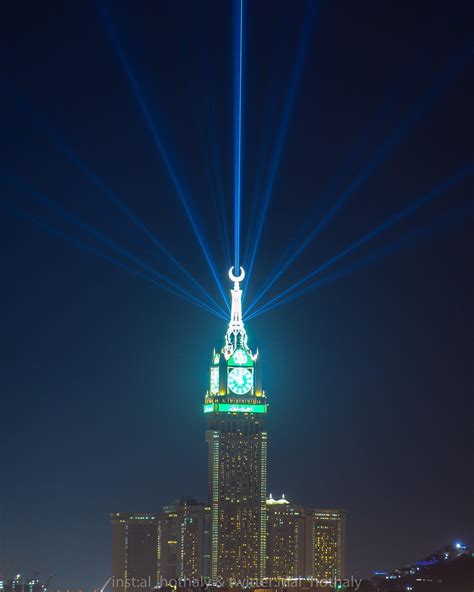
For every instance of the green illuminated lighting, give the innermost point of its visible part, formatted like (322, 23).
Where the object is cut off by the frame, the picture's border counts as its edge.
(214, 381)
(241, 408)
(240, 358)
(240, 381)
(234, 408)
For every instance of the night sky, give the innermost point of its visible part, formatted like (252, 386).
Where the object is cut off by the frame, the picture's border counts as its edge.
(369, 377)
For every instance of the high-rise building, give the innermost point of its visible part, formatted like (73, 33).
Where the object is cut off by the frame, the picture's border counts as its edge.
(324, 543)
(240, 535)
(183, 540)
(285, 539)
(235, 407)
(21, 584)
(135, 550)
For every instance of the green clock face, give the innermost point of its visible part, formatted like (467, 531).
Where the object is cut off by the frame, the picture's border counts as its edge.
(240, 381)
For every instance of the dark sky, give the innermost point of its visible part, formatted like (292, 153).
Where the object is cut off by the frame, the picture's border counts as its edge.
(103, 374)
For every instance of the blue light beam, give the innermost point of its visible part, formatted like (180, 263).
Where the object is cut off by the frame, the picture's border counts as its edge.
(139, 97)
(394, 219)
(380, 116)
(215, 153)
(268, 117)
(238, 76)
(305, 39)
(81, 245)
(60, 143)
(440, 223)
(23, 187)
(208, 135)
(395, 138)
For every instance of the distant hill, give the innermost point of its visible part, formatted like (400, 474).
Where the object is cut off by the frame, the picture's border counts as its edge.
(450, 569)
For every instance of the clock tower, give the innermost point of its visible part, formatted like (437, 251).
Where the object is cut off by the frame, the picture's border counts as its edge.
(235, 407)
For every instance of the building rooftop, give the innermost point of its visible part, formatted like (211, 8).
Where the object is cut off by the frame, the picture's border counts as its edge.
(282, 500)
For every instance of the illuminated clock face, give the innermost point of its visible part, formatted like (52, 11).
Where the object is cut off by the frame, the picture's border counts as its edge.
(240, 381)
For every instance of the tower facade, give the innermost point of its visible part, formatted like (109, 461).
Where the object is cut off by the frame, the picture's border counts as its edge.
(285, 539)
(135, 551)
(325, 543)
(183, 540)
(235, 407)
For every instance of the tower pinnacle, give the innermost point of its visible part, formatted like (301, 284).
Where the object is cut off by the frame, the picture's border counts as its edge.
(236, 335)
(236, 323)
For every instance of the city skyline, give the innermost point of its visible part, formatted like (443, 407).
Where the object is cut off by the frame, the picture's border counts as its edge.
(363, 114)
(241, 534)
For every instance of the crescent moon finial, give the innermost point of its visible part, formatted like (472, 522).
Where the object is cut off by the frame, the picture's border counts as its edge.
(238, 278)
